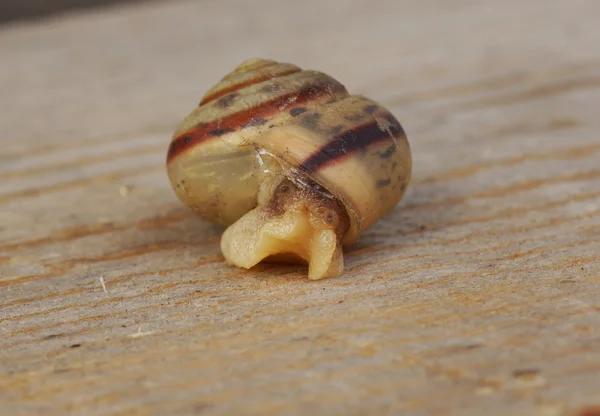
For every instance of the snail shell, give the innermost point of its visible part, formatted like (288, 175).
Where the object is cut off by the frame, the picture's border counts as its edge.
(294, 166)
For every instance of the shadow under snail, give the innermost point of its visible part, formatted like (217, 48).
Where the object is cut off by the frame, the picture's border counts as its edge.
(292, 164)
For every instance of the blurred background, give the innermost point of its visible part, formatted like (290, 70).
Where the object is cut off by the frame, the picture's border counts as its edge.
(19, 10)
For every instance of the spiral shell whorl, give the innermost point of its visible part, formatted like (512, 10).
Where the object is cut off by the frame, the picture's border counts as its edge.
(251, 72)
(255, 93)
(350, 145)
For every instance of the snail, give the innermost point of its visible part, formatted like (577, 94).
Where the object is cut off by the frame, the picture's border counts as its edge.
(290, 164)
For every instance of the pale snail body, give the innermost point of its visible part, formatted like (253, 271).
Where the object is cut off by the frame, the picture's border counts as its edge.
(290, 163)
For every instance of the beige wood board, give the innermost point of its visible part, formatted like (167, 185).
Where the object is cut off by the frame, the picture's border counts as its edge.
(479, 294)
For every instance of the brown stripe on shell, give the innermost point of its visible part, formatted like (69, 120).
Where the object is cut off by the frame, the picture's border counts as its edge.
(319, 90)
(260, 77)
(356, 139)
(251, 65)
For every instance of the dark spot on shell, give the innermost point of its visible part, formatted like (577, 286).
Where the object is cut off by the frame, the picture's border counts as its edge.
(75, 346)
(370, 109)
(381, 183)
(284, 188)
(227, 100)
(259, 121)
(337, 129)
(311, 120)
(187, 140)
(220, 132)
(354, 117)
(271, 88)
(297, 111)
(330, 218)
(388, 152)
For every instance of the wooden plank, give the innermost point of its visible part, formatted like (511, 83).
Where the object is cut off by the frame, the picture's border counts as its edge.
(478, 294)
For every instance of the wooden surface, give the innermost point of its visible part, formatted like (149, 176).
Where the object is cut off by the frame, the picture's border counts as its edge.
(478, 295)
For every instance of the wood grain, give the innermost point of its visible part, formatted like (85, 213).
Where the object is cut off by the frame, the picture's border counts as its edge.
(479, 294)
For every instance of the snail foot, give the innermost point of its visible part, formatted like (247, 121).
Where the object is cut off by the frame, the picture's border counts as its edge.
(294, 224)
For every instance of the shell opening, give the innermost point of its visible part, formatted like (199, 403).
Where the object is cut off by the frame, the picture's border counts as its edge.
(290, 223)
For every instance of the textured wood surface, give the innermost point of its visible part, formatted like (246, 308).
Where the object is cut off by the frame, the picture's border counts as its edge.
(478, 295)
